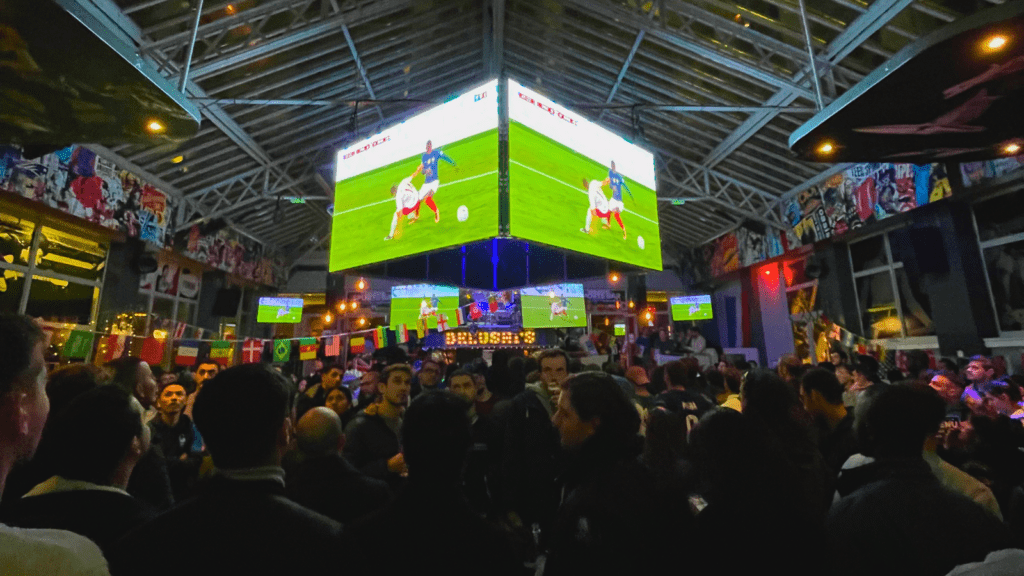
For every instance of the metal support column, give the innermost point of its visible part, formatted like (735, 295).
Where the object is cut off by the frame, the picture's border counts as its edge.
(191, 46)
(810, 54)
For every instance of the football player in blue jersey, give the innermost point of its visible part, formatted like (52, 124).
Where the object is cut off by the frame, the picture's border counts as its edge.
(428, 167)
(616, 182)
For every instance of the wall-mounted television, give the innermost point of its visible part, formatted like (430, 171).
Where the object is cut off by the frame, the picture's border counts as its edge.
(427, 183)
(686, 308)
(423, 303)
(620, 329)
(274, 310)
(576, 185)
(553, 306)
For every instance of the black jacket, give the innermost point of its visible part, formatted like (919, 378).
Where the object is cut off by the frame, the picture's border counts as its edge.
(902, 521)
(232, 527)
(99, 515)
(331, 486)
(610, 520)
(430, 530)
(531, 459)
(369, 444)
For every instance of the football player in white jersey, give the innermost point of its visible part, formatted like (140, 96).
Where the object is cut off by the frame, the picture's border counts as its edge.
(407, 201)
(598, 204)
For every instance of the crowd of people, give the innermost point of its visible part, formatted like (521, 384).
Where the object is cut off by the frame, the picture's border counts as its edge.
(527, 465)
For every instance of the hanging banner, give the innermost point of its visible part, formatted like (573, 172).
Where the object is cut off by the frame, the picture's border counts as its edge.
(78, 345)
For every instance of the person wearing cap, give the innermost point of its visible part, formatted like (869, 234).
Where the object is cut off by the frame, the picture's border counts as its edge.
(638, 377)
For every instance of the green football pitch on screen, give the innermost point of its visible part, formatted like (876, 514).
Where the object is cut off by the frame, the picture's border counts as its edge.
(547, 312)
(549, 203)
(467, 202)
(279, 310)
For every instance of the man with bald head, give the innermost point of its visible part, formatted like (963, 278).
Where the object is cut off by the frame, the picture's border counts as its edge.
(325, 481)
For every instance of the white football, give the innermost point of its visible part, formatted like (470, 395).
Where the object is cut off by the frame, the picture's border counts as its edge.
(463, 213)
(640, 242)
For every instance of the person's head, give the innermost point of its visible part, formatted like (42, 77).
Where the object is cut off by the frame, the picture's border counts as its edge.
(791, 368)
(243, 416)
(171, 400)
(1003, 396)
(462, 384)
(979, 370)
(948, 385)
(368, 382)
(637, 376)
(339, 400)
(436, 436)
(395, 384)
(554, 369)
(67, 382)
(613, 165)
(894, 421)
(839, 358)
(591, 404)
(430, 373)
(865, 371)
(133, 375)
(330, 377)
(677, 375)
(430, 146)
(206, 371)
(24, 405)
(98, 437)
(722, 365)
(319, 432)
(692, 332)
(843, 375)
(394, 190)
(763, 392)
(948, 364)
(663, 335)
(820, 390)
(613, 368)
(733, 380)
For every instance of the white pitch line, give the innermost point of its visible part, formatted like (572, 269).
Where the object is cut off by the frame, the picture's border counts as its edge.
(576, 188)
(336, 214)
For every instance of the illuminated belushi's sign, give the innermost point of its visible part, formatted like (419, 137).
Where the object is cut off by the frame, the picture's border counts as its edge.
(456, 339)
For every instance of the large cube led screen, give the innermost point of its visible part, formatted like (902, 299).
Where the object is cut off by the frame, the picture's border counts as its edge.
(575, 185)
(427, 183)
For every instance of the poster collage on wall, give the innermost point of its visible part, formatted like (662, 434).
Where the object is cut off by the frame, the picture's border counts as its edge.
(860, 195)
(79, 182)
(975, 173)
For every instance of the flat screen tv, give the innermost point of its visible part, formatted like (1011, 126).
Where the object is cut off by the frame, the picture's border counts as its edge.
(279, 310)
(418, 304)
(553, 306)
(686, 308)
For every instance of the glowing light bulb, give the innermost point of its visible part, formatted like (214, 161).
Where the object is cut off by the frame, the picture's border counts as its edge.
(826, 148)
(1012, 148)
(996, 42)
(155, 126)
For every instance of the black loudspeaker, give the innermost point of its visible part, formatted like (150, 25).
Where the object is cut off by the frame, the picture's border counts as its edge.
(929, 250)
(226, 302)
(121, 286)
(335, 291)
(815, 267)
(636, 291)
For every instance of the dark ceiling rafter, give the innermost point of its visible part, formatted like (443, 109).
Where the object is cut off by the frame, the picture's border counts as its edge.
(745, 81)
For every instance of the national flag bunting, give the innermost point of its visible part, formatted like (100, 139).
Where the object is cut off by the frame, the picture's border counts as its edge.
(380, 338)
(221, 351)
(492, 303)
(199, 334)
(115, 346)
(307, 348)
(402, 333)
(442, 322)
(282, 350)
(358, 345)
(78, 345)
(460, 318)
(421, 327)
(252, 351)
(179, 330)
(332, 346)
(188, 351)
(152, 351)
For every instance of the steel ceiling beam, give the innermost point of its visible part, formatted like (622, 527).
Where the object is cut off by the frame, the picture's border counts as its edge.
(876, 16)
(658, 29)
(359, 66)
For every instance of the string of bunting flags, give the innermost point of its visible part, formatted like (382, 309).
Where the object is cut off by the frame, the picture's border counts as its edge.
(106, 346)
